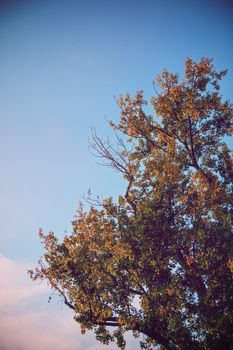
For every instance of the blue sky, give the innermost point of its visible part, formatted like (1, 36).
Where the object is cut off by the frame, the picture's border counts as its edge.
(61, 64)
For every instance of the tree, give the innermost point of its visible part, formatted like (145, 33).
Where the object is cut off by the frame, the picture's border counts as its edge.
(160, 261)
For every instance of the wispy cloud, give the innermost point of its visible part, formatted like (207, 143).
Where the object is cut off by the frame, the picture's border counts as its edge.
(15, 284)
(28, 322)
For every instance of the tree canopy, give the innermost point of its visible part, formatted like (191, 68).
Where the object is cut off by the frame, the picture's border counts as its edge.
(158, 262)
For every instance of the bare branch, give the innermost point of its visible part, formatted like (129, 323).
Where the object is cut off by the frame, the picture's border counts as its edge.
(114, 158)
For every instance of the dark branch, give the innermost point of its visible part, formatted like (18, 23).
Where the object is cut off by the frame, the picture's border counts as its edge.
(128, 199)
(193, 275)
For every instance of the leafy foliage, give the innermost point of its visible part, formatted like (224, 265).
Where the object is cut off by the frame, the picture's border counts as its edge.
(160, 261)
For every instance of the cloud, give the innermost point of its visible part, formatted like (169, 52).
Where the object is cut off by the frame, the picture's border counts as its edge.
(15, 284)
(36, 330)
(29, 322)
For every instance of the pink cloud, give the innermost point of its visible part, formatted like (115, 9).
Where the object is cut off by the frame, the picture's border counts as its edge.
(36, 330)
(28, 322)
(15, 284)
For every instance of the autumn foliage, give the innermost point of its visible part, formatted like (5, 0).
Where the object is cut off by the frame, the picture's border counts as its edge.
(159, 262)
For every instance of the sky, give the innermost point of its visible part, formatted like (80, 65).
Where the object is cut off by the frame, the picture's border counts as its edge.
(61, 65)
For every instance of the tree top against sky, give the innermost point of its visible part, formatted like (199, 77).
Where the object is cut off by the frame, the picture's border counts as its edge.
(159, 261)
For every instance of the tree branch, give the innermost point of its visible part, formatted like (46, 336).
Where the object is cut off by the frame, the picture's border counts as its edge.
(195, 280)
(127, 197)
(162, 340)
(195, 163)
(191, 144)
